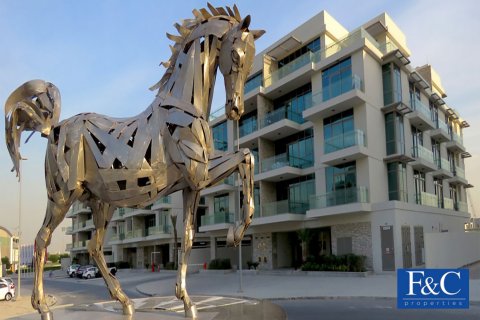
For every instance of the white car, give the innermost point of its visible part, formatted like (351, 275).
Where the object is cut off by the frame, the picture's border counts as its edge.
(90, 272)
(7, 292)
(72, 269)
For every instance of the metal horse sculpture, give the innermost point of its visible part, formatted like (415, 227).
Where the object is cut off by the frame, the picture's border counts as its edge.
(109, 163)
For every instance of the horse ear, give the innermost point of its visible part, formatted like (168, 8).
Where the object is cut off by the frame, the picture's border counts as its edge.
(257, 33)
(245, 22)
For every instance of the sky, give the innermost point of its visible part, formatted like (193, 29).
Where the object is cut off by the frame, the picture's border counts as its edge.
(104, 55)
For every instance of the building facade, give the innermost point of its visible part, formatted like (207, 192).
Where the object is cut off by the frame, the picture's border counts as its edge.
(9, 247)
(350, 142)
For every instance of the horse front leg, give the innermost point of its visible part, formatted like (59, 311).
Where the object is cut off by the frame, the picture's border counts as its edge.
(191, 199)
(54, 216)
(243, 162)
(102, 214)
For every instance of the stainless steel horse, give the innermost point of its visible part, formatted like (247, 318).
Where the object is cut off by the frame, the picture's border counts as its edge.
(108, 163)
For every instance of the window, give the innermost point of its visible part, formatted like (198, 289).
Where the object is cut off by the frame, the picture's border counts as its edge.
(294, 102)
(419, 178)
(451, 160)
(392, 84)
(338, 131)
(254, 82)
(220, 138)
(436, 153)
(248, 124)
(434, 113)
(312, 46)
(453, 193)
(220, 204)
(341, 182)
(417, 141)
(438, 185)
(395, 137)
(397, 181)
(299, 195)
(300, 153)
(337, 79)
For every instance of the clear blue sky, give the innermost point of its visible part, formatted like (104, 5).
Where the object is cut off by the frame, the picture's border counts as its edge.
(104, 55)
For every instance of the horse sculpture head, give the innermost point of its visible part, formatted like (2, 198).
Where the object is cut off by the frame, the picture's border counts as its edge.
(235, 62)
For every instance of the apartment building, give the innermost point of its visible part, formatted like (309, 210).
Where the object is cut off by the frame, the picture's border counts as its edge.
(351, 143)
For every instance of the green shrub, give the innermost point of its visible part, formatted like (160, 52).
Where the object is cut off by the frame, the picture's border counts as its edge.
(343, 263)
(311, 266)
(52, 268)
(220, 264)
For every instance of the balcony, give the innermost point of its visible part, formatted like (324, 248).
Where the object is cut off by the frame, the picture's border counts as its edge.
(397, 152)
(456, 143)
(275, 125)
(348, 200)
(217, 115)
(216, 221)
(448, 203)
(348, 146)
(342, 94)
(392, 53)
(423, 159)
(162, 202)
(461, 206)
(80, 245)
(282, 167)
(248, 127)
(69, 247)
(226, 185)
(281, 211)
(458, 177)
(134, 234)
(426, 199)
(159, 231)
(69, 230)
(290, 76)
(78, 208)
(420, 117)
(443, 169)
(441, 132)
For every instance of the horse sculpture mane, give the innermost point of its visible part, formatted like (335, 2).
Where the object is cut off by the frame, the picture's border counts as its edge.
(185, 29)
(108, 163)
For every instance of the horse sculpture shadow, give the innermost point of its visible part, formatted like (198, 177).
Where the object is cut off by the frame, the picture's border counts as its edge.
(109, 163)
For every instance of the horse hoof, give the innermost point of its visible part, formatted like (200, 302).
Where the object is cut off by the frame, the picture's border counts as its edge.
(191, 312)
(128, 309)
(230, 237)
(47, 315)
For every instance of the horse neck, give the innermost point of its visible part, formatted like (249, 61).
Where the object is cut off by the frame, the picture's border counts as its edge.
(193, 78)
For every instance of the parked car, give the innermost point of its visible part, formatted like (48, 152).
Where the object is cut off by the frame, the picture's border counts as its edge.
(9, 282)
(91, 272)
(72, 269)
(6, 291)
(81, 269)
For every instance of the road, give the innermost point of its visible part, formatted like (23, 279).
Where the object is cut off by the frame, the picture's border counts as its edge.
(77, 291)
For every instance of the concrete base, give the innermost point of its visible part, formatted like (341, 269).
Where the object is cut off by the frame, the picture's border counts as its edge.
(170, 308)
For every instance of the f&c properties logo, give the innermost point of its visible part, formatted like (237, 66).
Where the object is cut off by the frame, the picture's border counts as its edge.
(432, 289)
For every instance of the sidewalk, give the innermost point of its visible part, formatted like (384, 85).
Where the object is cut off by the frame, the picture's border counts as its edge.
(286, 286)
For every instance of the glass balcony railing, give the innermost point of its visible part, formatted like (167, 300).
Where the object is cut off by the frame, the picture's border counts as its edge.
(418, 105)
(427, 199)
(448, 203)
(164, 200)
(279, 115)
(253, 84)
(123, 211)
(442, 126)
(459, 172)
(282, 72)
(339, 197)
(282, 207)
(217, 217)
(337, 87)
(217, 113)
(248, 127)
(345, 140)
(456, 138)
(420, 152)
(136, 233)
(461, 206)
(283, 160)
(80, 244)
(162, 229)
(443, 164)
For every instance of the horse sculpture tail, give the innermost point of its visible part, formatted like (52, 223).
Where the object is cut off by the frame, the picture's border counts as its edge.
(34, 106)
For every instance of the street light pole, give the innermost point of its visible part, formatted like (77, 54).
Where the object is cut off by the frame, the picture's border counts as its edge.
(19, 270)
